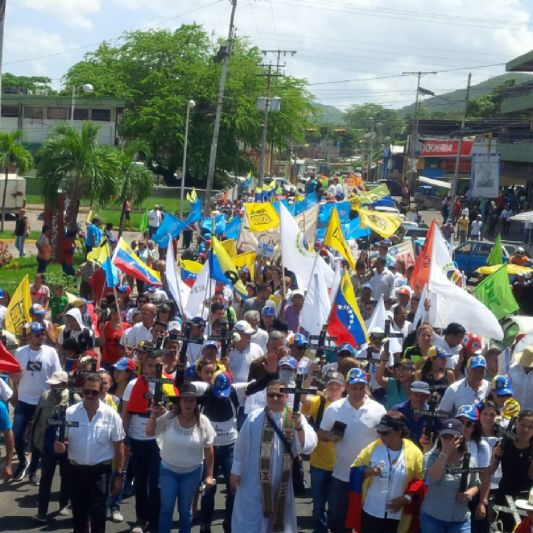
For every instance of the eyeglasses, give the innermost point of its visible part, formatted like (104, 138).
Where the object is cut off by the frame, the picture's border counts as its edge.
(91, 392)
(275, 395)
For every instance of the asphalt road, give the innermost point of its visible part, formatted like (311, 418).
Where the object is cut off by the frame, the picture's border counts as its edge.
(18, 506)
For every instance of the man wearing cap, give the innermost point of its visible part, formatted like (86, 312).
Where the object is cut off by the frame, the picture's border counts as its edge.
(38, 363)
(365, 296)
(298, 345)
(350, 424)
(94, 442)
(194, 349)
(140, 331)
(371, 353)
(43, 436)
(262, 466)
(469, 390)
(382, 280)
(268, 315)
(322, 459)
(522, 377)
(244, 351)
(291, 313)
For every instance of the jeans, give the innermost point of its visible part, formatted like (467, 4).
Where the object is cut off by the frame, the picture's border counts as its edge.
(223, 462)
(182, 487)
(320, 483)
(49, 462)
(429, 524)
(89, 489)
(41, 265)
(19, 244)
(146, 462)
(338, 505)
(22, 418)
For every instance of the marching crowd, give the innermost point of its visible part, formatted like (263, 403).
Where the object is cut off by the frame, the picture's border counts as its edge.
(417, 429)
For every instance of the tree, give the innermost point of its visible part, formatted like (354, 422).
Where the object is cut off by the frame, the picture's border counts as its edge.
(488, 106)
(13, 156)
(73, 161)
(157, 72)
(386, 122)
(31, 84)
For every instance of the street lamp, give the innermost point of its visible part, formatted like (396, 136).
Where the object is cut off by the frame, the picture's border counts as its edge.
(86, 88)
(190, 105)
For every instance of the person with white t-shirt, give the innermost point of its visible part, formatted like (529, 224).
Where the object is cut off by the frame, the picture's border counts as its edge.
(145, 457)
(475, 229)
(38, 362)
(155, 217)
(244, 352)
(141, 331)
(349, 423)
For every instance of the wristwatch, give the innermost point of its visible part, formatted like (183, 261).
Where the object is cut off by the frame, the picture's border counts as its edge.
(408, 498)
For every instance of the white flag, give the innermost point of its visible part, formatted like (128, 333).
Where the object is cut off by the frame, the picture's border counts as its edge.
(450, 303)
(337, 277)
(379, 316)
(179, 290)
(199, 293)
(296, 256)
(315, 312)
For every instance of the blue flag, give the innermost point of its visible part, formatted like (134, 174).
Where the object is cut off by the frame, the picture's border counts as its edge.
(111, 273)
(233, 228)
(195, 212)
(170, 224)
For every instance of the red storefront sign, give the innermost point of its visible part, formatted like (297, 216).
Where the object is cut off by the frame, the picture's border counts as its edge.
(444, 148)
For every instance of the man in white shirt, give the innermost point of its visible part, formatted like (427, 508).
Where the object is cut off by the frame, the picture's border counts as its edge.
(475, 229)
(38, 362)
(522, 377)
(382, 281)
(244, 352)
(155, 217)
(451, 342)
(95, 441)
(467, 391)
(196, 341)
(349, 423)
(260, 337)
(141, 331)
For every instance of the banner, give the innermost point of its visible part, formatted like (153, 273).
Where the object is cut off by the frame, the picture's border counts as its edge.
(247, 260)
(229, 246)
(485, 178)
(384, 224)
(335, 239)
(496, 293)
(261, 217)
(18, 309)
(369, 197)
(404, 251)
(445, 148)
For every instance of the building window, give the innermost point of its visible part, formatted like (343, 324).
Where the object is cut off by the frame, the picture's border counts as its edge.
(102, 115)
(10, 111)
(81, 113)
(34, 112)
(57, 113)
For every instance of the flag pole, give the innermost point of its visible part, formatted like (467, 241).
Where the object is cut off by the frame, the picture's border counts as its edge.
(115, 290)
(180, 303)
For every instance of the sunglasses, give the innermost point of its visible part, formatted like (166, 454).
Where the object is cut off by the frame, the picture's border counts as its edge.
(275, 395)
(91, 392)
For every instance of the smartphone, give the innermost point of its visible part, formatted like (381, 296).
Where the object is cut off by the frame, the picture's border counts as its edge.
(338, 428)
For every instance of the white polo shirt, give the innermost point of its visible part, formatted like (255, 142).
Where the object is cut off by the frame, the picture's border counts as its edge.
(360, 431)
(134, 335)
(37, 366)
(522, 384)
(239, 362)
(461, 393)
(91, 442)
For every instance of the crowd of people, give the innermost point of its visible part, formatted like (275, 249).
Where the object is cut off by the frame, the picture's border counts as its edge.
(416, 429)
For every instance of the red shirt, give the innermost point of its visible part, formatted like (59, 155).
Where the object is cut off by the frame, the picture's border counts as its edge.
(112, 350)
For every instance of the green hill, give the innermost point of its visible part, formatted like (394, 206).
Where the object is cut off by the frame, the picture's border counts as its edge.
(328, 115)
(453, 102)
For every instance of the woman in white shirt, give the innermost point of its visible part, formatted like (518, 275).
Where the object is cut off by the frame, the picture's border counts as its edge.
(186, 438)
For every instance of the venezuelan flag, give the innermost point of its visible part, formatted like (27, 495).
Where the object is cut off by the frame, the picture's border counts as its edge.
(346, 322)
(127, 260)
(189, 271)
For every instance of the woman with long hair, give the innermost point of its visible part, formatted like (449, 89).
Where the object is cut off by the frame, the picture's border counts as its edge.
(434, 371)
(186, 440)
(445, 507)
(391, 464)
(424, 339)
(111, 329)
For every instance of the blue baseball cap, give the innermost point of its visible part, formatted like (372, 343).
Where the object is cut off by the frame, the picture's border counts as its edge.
(477, 361)
(467, 411)
(357, 375)
(37, 310)
(125, 363)
(35, 328)
(222, 386)
(300, 340)
(346, 347)
(190, 373)
(437, 351)
(210, 344)
(198, 321)
(289, 361)
(268, 310)
(366, 286)
(502, 386)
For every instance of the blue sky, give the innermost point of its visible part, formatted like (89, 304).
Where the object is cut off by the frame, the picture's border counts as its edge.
(335, 39)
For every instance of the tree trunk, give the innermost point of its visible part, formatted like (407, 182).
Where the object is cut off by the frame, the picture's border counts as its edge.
(4, 198)
(72, 214)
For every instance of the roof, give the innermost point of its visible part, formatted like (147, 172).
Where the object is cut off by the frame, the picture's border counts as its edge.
(523, 63)
(61, 101)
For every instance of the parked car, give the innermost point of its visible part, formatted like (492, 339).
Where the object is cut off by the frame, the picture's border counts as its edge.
(472, 255)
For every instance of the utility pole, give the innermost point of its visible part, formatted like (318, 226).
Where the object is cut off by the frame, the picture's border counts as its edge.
(371, 148)
(460, 145)
(414, 132)
(218, 116)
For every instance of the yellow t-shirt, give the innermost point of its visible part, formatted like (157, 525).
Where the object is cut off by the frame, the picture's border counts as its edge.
(323, 456)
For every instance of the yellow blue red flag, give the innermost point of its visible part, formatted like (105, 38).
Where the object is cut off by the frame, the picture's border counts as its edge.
(130, 263)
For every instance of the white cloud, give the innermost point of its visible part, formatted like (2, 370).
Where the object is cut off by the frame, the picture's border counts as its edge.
(73, 13)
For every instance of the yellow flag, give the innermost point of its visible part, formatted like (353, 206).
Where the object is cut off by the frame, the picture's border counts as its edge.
(261, 216)
(225, 263)
(230, 247)
(246, 259)
(89, 217)
(374, 195)
(335, 239)
(384, 224)
(18, 310)
(100, 253)
(191, 266)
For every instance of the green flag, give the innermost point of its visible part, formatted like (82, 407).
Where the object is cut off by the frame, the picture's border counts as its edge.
(143, 226)
(496, 255)
(495, 292)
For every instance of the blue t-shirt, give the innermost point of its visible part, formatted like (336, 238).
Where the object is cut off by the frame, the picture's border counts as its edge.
(93, 236)
(395, 393)
(5, 421)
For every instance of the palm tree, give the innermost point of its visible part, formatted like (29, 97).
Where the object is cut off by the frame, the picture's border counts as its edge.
(13, 155)
(73, 160)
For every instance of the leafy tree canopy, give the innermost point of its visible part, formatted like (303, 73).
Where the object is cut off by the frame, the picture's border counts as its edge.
(34, 84)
